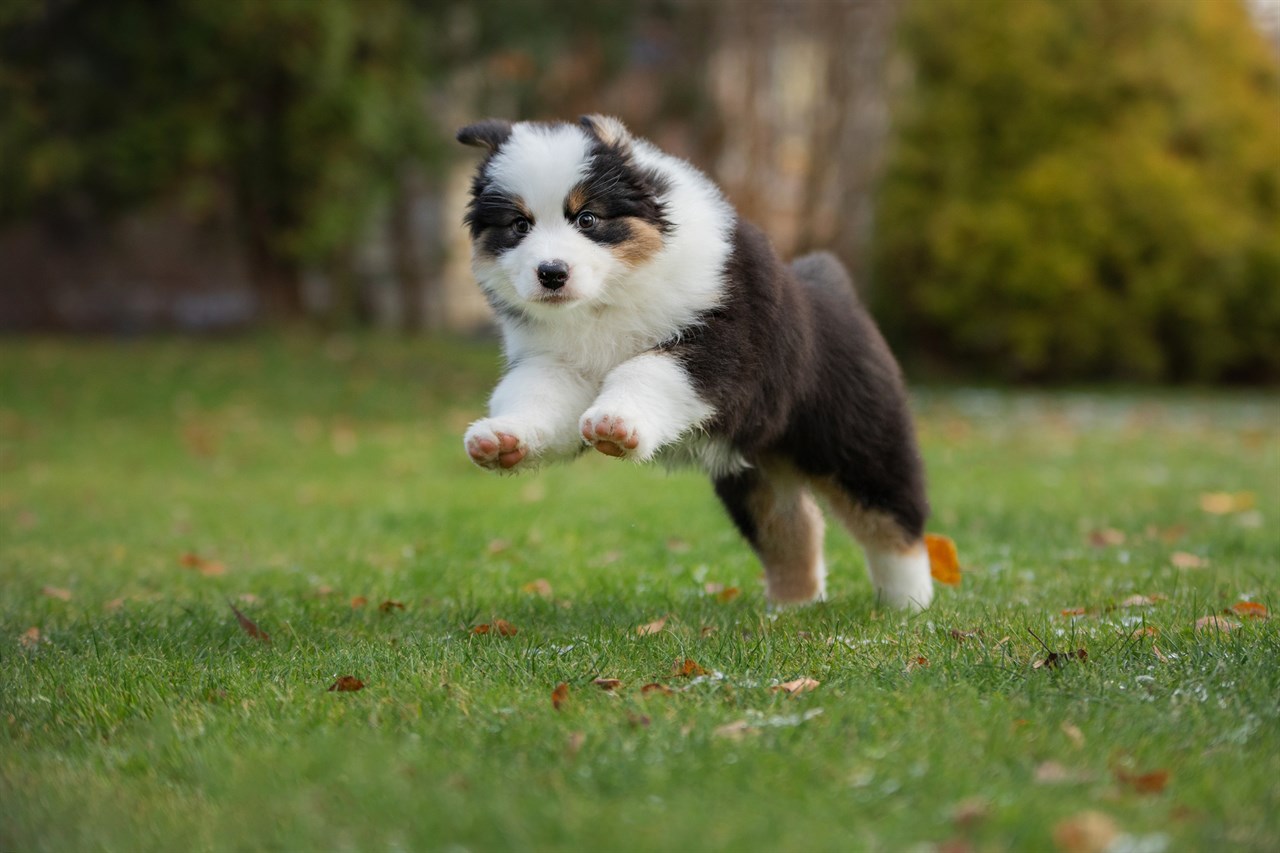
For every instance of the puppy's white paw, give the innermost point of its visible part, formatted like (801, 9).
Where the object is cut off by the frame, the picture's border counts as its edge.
(498, 445)
(614, 435)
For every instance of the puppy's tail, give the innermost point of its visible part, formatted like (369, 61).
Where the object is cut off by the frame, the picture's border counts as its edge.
(824, 271)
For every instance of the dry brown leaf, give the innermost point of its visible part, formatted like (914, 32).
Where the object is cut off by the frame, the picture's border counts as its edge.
(249, 626)
(1145, 631)
(346, 684)
(727, 594)
(56, 592)
(1073, 732)
(1223, 503)
(1187, 560)
(707, 631)
(540, 587)
(655, 687)
(1106, 537)
(944, 560)
(208, 568)
(1153, 782)
(651, 627)
(1159, 654)
(560, 696)
(1086, 832)
(1053, 773)
(1074, 611)
(30, 638)
(1250, 610)
(504, 628)
(389, 605)
(1141, 600)
(358, 602)
(607, 683)
(688, 668)
(799, 685)
(481, 629)
(1215, 624)
(733, 731)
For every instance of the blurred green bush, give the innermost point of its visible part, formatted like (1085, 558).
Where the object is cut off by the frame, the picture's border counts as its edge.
(1085, 189)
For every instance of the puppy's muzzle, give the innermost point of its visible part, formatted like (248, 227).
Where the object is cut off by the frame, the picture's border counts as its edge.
(553, 274)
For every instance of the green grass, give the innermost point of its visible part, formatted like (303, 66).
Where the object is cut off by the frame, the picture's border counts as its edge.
(318, 471)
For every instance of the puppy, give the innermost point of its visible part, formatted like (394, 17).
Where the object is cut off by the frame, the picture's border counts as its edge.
(643, 318)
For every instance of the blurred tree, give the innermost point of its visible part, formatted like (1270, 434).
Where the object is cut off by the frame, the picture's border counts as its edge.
(1086, 188)
(303, 116)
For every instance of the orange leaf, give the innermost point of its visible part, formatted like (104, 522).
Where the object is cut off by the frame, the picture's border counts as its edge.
(944, 561)
(655, 687)
(388, 605)
(504, 628)
(1106, 537)
(728, 594)
(541, 587)
(358, 602)
(249, 626)
(56, 592)
(1250, 610)
(560, 695)
(1074, 611)
(30, 638)
(687, 668)
(1210, 624)
(208, 568)
(1144, 783)
(481, 629)
(346, 684)
(1087, 832)
(651, 627)
(607, 683)
(800, 685)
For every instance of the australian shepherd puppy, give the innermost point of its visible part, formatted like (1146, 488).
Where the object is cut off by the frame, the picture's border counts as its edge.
(643, 318)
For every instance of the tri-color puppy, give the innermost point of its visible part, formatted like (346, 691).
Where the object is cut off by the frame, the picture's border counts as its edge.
(642, 317)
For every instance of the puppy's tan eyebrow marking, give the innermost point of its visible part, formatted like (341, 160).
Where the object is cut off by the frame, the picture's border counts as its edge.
(575, 200)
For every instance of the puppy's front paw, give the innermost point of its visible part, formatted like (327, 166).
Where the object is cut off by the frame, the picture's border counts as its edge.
(612, 435)
(494, 445)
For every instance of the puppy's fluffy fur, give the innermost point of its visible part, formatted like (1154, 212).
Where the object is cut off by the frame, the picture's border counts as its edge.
(642, 317)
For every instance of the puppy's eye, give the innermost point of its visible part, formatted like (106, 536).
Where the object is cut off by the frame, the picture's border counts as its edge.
(586, 219)
(521, 225)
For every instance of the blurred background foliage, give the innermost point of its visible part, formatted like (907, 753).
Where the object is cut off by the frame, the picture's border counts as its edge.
(1027, 189)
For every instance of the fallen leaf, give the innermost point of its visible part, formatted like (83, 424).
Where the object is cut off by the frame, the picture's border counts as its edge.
(918, 662)
(1145, 631)
(358, 602)
(1250, 610)
(1074, 611)
(1055, 658)
(688, 668)
(481, 629)
(56, 592)
(1223, 503)
(970, 811)
(1053, 773)
(722, 593)
(1105, 538)
(1187, 560)
(1074, 733)
(504, 628)
(560, 696)
(800, 685)
(208, 568)
(346, 684)
(655, 687)
(944, 561)
(708, 630)
(1086, 832)
(1214, 624)
(1159, 654)
(540, 587)
(607, 683)
(249, 626)
(1141, 600)
(733, 731)
(1144, 783)
(30, 638)
(651, 627)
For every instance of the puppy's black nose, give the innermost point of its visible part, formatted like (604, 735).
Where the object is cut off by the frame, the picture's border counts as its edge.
(553, 274)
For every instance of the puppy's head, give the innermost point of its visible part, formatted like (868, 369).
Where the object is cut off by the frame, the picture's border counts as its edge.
(560, 213)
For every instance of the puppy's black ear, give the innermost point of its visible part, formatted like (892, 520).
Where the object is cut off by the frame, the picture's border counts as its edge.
(490, 133)
(609, 130)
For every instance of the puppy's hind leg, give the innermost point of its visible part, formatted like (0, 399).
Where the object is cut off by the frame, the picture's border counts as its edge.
(897, 559)
(775, 511)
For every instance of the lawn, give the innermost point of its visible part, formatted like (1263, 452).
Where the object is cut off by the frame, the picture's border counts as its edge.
(320, 487)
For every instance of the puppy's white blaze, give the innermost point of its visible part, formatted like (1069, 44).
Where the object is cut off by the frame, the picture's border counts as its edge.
(540, 164)
(652, 393)
(901, 578)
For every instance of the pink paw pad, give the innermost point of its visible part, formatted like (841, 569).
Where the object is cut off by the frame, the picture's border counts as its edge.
(505, 453)
(610, 435)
